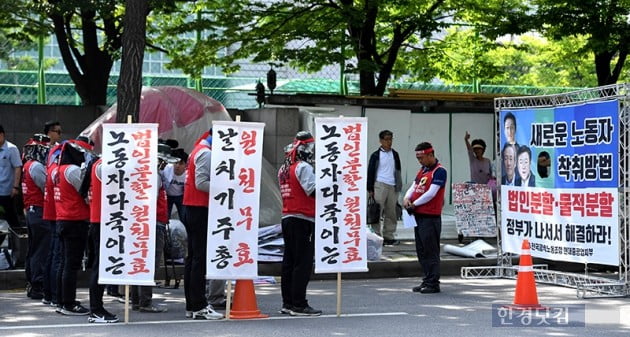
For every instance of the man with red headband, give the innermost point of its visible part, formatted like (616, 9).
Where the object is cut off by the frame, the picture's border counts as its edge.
(297, 187)
(425, 199)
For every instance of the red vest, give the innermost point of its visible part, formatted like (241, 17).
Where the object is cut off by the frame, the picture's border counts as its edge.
(50, 213)
(294, 199)
(193, 196)
(68, 202)
(162, 206)
(31, 194)
(95, 194)
(423, 182)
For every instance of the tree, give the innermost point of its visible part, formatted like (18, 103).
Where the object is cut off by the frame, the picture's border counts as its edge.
(88, 56)
(88, 34)
(604, 23)
(459, 57)
(133, 43)
(305, 34)
(462, 55)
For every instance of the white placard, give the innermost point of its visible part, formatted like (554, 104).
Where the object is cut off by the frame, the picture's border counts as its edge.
(234, 200)
(128, 204)
(341, 196)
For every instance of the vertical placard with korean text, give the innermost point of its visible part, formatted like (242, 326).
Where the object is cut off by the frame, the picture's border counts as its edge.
(234, 200)
(128, 207)
(341, 202)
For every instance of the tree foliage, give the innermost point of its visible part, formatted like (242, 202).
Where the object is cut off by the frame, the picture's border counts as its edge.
(463, 55)
(375, 39)
(18, 31)
(368, 36)
(88, 33)
(604, 23)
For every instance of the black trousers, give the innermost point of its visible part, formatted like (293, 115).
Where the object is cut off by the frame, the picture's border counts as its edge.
(51, 288)
(297, 261)
(175, 200)
(196, 223)
(39, 237)
(73, 238)
(427, 234)
(96, 290)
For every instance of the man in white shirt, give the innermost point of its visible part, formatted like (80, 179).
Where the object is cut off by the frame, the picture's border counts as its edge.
(384, 182)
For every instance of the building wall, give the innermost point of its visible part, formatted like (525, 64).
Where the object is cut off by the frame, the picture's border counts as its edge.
(22, 121)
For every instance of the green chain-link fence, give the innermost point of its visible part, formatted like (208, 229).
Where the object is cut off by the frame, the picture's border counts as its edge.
(20, 87)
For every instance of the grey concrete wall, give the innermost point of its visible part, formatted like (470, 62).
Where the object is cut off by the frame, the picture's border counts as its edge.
(22, 121)
(281, 125)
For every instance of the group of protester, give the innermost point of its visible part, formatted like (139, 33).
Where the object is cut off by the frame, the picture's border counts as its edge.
(61, 184)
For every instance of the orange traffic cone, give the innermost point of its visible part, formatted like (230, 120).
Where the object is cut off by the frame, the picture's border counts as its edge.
(244, 305)
(525, 296)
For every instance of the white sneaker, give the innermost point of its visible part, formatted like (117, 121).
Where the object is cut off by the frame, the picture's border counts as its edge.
(206, 313)
(188, 314)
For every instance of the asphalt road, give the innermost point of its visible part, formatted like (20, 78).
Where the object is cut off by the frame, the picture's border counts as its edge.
(370, 308)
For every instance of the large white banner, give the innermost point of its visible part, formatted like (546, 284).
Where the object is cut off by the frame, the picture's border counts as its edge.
(234, 200)
(559, 187)
(341, 202)
(128, 204)
(577, 225)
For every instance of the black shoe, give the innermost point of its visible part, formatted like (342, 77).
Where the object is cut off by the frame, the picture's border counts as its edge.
(305, 311)
(391, 242)
(36, 295)
(75, 310)
(430, 290)
(102, 316)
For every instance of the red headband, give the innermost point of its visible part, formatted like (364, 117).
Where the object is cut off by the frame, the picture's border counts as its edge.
(425, 151)
(296, 143)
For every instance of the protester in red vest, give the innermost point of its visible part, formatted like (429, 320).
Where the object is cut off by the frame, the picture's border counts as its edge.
(425, 199)
(196, 201)
(73, 214)
(35, 152)
(98, 314)
(297, 187)
(53, 262)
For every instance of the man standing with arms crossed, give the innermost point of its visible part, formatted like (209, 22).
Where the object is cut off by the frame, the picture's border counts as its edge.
(425, 199)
